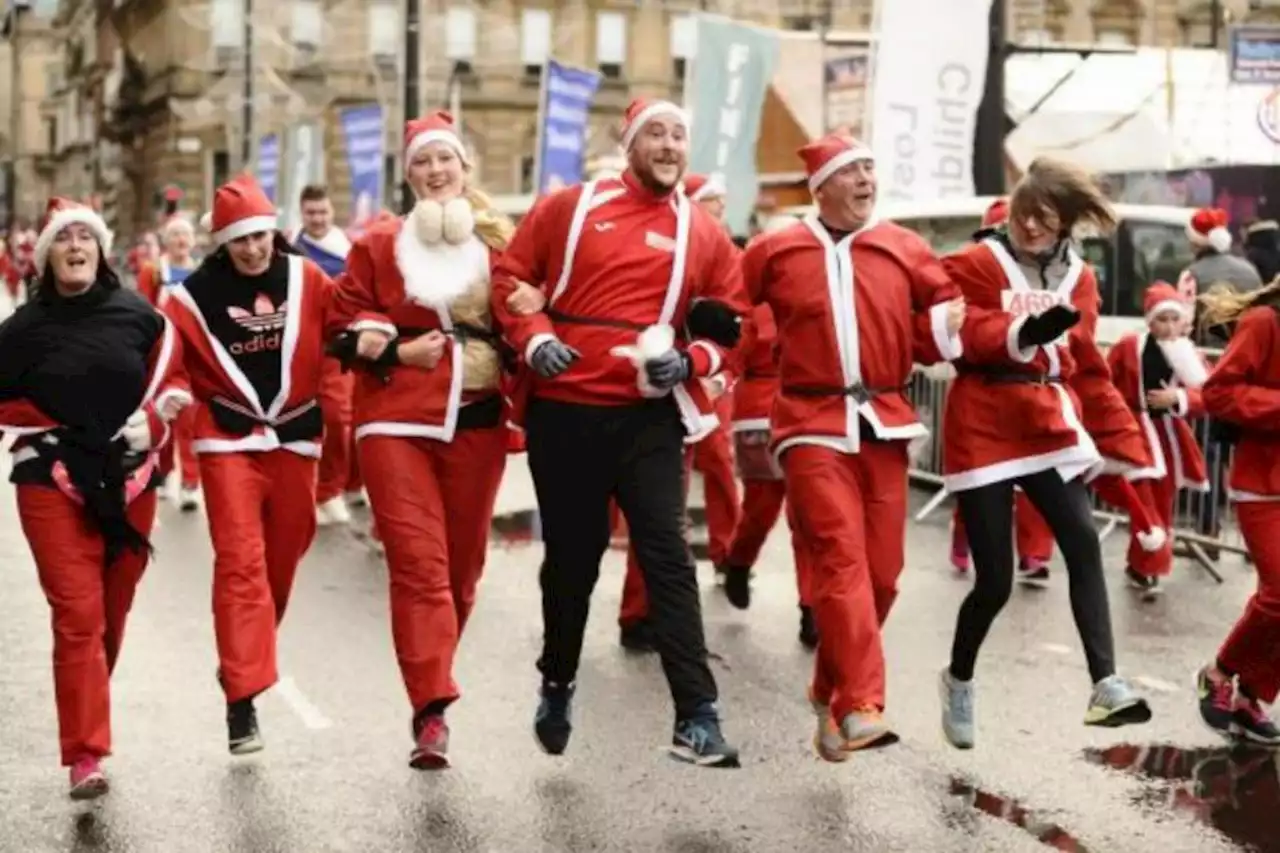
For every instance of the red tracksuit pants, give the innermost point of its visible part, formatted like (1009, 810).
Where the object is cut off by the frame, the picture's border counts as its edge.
(851, 512)
(336, 390)
(1252, 650)
(180, 452)
(713, 459)
(262, 518)
(432, 504)
(1035, 539)
(90, 605)
(762, 502)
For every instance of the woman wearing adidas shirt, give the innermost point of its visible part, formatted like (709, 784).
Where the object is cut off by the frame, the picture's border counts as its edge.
(252, 323)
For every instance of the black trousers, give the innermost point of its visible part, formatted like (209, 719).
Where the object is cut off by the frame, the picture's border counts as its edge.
(580, 456)
(988, 519)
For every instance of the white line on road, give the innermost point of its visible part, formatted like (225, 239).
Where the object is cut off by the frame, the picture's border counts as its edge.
(1159, 685)
(1055, 648)
(310, 715)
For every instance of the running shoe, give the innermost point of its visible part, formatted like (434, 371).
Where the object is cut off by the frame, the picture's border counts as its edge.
(1217, 699)
(864, 728)
(957, 710)
(828, 742)
(1148, 585)
(1252, 723)
(1033, 573)
(431, 743)
(243, 736)
(808, 628)
(737, 586)
(87, 779)
(551, 723)
(635, 637)
(1116, 703)
(698, 740)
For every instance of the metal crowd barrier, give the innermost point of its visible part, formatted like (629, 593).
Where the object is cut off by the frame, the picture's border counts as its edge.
(1203, 524)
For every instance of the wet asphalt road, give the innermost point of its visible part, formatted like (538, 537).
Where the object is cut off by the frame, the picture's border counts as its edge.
(334, 776)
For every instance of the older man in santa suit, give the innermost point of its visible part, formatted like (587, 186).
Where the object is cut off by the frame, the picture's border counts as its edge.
(856, 301)
(614, 395)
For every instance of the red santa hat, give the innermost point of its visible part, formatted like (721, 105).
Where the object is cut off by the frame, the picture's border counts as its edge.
(1208, 229)
(641, 111)
(1160, 297)
(437, 127)
(997, 214)
(825, 156)
(241, 208)
(60, 214)
(702, 187)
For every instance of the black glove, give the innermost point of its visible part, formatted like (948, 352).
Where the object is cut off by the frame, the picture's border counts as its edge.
(715, 321)
(552, 358)
(343, 348)
(1047, 327)
(669, 369)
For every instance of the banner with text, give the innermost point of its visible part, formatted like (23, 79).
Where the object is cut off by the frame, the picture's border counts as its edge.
(365, 133)
(928, 76)
(845, 68)
(725, 96)
(564, 118)
(269, 165)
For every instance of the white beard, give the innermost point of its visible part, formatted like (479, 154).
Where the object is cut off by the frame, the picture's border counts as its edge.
(435, 274)
(1185, 361)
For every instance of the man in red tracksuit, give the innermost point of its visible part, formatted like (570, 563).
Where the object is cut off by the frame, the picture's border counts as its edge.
(610, 397)
(712, 457)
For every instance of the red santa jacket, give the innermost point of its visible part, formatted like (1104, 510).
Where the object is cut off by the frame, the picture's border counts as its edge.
(615, 259)
(165, 382)
(213, 372)
(152, 279)
(1170, 441)
(445, 285)
(757, 362)
(1244, 389)
(852, 317)
(999, 430)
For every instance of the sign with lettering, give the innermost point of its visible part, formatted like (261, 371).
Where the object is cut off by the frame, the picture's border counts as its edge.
(1255, 54)
(726, 94)
(1032, 302)
(563, 121)
(928, 76)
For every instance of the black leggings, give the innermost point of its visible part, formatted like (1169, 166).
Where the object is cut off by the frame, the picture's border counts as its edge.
(988, 519)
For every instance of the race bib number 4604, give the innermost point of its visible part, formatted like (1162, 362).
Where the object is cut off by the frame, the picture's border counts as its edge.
(1029, 302)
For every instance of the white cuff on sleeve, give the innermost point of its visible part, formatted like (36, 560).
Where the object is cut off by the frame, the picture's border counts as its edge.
(1022, 356)
(535, 342)
(948, 344)
(165, 397)
(1184, 403)
(373, 326)
(713, 356)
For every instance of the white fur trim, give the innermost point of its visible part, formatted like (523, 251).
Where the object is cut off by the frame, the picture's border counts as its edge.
(245, 227)
(1219, 239)
(447, 137)
(435, 275)
(1022, 356)
(1184, 402)
(1169, 305)
(713, 358)
(838, 162)
(713, 188)
(63, 219)
(1152, 540)
(657, 108)
(206, 220)
(948, 344)
(1184, 360)
(373, 326)
(165, 397)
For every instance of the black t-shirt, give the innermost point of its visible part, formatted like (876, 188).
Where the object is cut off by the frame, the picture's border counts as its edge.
(247, 316)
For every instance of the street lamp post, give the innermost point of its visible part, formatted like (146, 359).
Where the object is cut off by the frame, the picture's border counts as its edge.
(412, 98)
(988, 154)
(246, 114)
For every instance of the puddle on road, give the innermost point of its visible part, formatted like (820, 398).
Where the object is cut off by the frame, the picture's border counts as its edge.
(514, 529)
(1235, 790)
(1011, 811)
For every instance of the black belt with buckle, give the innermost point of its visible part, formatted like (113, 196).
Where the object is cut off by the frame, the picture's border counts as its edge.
(859, 392)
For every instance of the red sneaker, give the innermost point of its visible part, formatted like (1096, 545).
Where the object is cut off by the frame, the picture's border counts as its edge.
(431, 752)
(87, 779)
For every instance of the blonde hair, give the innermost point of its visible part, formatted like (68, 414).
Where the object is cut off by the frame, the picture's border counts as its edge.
(493, 227)
(1223, 304)
(1065, 189)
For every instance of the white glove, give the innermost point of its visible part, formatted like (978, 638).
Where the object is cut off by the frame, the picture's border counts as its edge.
(652, 343)
(137, 432)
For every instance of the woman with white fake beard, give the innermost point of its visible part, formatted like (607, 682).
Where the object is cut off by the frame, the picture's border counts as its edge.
(430, 411)
(89, 381)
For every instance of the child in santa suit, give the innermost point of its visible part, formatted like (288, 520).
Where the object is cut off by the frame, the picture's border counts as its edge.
(1244, 391)
(1160, 374)
(252, 322)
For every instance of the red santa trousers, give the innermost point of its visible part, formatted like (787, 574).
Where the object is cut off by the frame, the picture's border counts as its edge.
(1252, 650)
(762, 502)
(180, 452)
(262, 518)
(1138, 500)
(713, 459)
(90, 605)
(336, 389)
(1158, 497)
(851, 512)
(432, 503)
(1034, 538)
(634, 607)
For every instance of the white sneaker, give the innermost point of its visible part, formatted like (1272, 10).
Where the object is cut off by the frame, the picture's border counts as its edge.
(333, 511)
(189, 500)
(358, 498)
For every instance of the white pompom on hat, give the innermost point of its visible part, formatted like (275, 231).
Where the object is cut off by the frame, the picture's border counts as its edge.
(62, 213)
(1208, 228)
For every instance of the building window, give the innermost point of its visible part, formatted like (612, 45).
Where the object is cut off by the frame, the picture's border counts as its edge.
(1117, 22)
(684, 42)
(526, 174)
(460, 34)
(226, 20)
(1040, 22)
(801, 24)
(306, 25)
(384, 30)
(611, 43)
(535, 39)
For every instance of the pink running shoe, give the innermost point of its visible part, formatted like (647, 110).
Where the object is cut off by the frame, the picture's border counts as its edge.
(431, 752)
(87, 779)
(960, 553)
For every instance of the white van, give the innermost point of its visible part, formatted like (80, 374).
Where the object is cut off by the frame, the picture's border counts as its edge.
(1150, 245)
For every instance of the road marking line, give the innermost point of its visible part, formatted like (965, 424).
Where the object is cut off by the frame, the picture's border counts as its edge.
(1055, 648)
(1157, 684)
(310, 715)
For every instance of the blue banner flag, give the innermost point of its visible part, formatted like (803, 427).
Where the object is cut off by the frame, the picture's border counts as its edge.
(564, 118)
(365, 132)
(269, 165)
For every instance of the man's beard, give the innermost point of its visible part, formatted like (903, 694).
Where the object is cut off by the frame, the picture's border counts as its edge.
(645, 174)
